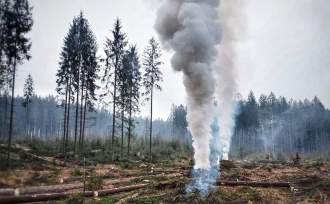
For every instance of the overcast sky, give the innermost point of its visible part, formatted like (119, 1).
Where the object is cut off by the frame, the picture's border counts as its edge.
(285, 47)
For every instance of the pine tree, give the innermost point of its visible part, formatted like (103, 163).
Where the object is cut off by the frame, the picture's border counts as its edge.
(89, 76)
(77, 75)
(152, 77)
(132, 72)
(65, 77)
(114, 50)
(17, 22)
(27, 98)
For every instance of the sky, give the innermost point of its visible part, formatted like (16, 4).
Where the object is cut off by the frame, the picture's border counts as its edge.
(284, 46)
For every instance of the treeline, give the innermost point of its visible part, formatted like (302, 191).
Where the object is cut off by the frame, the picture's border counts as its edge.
(279, 127)
(269, 125)
(44, 120)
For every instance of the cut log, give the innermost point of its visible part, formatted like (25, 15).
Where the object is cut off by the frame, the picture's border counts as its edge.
(7, 191)
(41, 189)
(74, 186)
(120, 189)
(254, 184)
(64, 195)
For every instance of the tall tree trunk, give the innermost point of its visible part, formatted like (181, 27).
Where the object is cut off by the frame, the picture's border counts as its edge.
(11, 112)
(65, 113)
(129, 125)
(4, 116)
(122, 133)
(150, 141)
(114, 108)
(83, 128)
(77, 114)
(68, 120)
(81, 112)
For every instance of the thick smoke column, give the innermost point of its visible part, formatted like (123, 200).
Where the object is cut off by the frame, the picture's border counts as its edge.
(191, 28)
(231, 15)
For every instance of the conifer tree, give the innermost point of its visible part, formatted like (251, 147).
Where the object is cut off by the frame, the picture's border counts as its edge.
(16, 23)
(152, 76)
(65, 77)
(77, 75)
(132, 72)
(114, 50)
(89, 76)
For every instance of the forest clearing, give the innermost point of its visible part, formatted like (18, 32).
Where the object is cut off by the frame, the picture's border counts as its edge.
(264, 181)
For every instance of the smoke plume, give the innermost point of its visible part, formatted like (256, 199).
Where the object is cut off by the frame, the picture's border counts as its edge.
(191, 29)
(231, 15)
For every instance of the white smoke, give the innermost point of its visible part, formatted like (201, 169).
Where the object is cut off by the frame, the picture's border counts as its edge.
(232, 16)
(191, 28)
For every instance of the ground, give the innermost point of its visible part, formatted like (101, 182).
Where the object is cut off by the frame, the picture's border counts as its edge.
(166, 181)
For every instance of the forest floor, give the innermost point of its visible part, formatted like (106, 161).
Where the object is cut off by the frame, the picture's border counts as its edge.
(165, 182)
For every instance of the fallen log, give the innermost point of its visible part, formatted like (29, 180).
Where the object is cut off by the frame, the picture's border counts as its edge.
(40, 189)
(7, 191)
(64, 195)
(74, 186)
(254, 184)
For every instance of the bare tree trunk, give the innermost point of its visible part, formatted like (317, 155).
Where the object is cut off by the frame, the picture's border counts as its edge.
(4, 124)
(114, 108)
(65, 113)
(68, 120)
(129, 126)
(122, 133)
(11, 112)
(150, 141)
(81, 112)
(83, 128)
(77, 114)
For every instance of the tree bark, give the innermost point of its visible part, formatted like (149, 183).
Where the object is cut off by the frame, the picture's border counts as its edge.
(81, 112)
(68, 121)
(150, 139)
(122, 133)
(11, 112)
(77, 113)
(114, 108)
(65, 113)
(83, 128)
(129, 125)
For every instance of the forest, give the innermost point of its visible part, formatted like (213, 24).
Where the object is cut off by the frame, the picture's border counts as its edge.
(98, 138)
(265, 125)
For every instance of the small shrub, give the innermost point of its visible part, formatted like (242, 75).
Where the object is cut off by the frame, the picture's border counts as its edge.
(76, 172)
(94, 182)
(76, 198)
